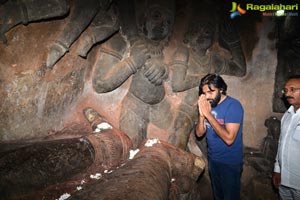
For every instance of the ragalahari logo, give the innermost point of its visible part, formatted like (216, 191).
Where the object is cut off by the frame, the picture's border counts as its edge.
(236, 10)
(271, 9)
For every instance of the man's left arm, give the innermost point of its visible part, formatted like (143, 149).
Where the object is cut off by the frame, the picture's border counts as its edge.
(227, 133)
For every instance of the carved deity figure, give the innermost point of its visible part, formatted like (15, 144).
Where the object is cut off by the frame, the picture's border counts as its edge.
(193, 61)
(137, 55)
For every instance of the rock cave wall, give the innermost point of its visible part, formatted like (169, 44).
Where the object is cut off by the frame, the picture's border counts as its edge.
(37, 101)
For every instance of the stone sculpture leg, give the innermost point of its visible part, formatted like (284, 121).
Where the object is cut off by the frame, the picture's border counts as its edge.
(181, 130)
(14, 12)
(81, 17)
(134, 119)
(104, 25)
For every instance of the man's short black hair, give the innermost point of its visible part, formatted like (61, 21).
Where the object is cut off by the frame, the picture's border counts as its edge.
(215, 80)
(295, 76)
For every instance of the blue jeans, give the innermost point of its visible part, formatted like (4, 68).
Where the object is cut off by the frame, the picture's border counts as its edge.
(225, 180)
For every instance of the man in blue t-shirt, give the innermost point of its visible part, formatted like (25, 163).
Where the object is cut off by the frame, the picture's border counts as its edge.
(221, 118)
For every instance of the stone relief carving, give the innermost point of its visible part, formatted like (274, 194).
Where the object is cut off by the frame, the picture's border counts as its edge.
(135, 34)
(138, 51)
(82, 14)
(195, 59)
(140, 58)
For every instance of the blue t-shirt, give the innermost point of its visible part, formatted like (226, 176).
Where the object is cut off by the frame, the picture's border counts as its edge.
(228, 111)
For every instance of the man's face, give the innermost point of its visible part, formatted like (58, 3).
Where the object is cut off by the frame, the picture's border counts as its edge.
(158, 23)
(212, 94)
(292, 92)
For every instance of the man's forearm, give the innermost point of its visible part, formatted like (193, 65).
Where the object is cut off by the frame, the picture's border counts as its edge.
(220, 130)
(201, 128)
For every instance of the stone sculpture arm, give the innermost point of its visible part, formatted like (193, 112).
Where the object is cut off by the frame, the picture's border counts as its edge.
(181, 80)
(179, 68)
(112, 69)
(229, 37)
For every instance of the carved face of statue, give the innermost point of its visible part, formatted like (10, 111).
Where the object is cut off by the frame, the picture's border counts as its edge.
(200, 36)
(158, 23)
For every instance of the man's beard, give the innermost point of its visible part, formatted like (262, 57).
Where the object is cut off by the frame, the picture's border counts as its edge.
(214, 102)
